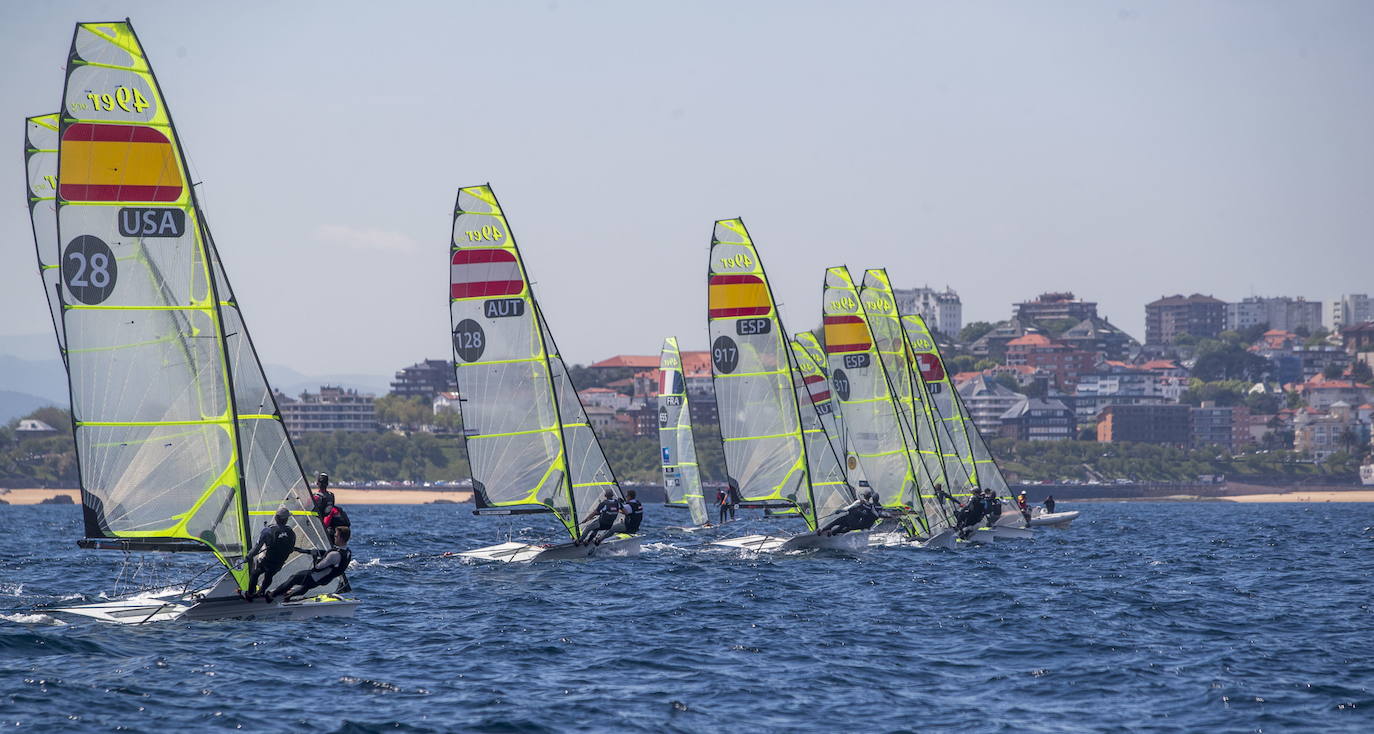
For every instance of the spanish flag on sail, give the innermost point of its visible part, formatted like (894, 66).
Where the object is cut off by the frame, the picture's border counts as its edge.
(101, 162)
(846, 334)
(732, 296)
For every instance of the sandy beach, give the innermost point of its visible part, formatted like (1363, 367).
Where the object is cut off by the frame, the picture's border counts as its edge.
(343, 496)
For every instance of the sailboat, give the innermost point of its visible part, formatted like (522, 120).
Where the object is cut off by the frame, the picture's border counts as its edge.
(776, 451)
(529, 443)
(968, 461)
(681, 475)
(880, 437)
(179, 441)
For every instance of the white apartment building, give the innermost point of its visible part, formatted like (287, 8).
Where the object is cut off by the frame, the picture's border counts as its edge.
(1283, 313)
(1348, 310)
(942, 310)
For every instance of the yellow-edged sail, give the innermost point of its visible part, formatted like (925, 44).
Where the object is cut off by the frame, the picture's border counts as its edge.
(528, 440)
(681, 474)
(179, 439)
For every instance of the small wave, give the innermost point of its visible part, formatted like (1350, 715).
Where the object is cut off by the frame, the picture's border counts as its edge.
(19, 618)
(12, 589)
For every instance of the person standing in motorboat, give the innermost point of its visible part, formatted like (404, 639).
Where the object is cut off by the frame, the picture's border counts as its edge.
(1023, 506)
(1049, 505)
(605, 514)
(327, 568)
(275, 542)
(860, 514)
(324, 499)
(634, 512)
(727, 498)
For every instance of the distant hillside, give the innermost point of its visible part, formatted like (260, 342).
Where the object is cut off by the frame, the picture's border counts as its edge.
(17, 404)
(293, 383)
(45, 378)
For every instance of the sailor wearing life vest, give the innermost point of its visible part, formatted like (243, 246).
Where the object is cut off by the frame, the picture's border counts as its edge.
(634, 512)
(605, 514)
(276, 542)
(329, 567)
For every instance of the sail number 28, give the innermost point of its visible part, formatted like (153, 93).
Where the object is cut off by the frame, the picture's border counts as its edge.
(488, 233)
(127, 98)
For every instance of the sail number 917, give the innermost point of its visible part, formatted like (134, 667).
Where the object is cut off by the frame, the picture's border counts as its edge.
(127, 98)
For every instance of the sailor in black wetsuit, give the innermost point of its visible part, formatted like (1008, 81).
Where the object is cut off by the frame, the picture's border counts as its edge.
(605, 515)
(276, 542)
(331, 566)
(992, 508)
(324, 499)
(860, 514)
(1049, 505)
(971, 514)
(634, 512)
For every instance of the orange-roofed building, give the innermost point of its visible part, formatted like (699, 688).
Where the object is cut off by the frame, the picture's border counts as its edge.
(636, 361)
(1064, 363)
(1321, 393)
(1278, 339)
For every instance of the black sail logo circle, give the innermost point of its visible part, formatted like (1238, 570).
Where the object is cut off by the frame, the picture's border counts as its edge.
(469, 341)
(840, 381)
(725, 355)
(89, 269)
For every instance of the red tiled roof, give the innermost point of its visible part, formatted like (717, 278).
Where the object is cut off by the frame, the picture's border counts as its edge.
(1029, 340)
(1159, 364)
(965, 376)
(628, 360)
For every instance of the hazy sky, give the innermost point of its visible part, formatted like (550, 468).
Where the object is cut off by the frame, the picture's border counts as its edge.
(1119, 150)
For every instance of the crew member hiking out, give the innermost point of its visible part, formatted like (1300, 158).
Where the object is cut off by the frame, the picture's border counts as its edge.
(329, 567)
(324, 499)
(275, 542)
(334, 519)
(992, 507)
(634, 512)
(860, 514)
(605, 515)
(971, 514)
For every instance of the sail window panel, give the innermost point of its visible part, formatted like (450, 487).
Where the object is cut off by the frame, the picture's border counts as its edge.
(755, 406)
(591, 475)
(145, 366)
(516, 469)
(272, 476)
(762, 467)
(149, 271)
(216, 522)
(506, 398)
(96, 43)
(479, 338)
(144, 478)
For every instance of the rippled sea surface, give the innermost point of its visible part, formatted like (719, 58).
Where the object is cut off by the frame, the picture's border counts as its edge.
(1145, 617)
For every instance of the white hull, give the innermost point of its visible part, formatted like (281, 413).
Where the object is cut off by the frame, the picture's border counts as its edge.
(1054, 520)
(944, 539)
(1011, 532)
(218, 602)
(854, 541)
(617, 546)
(979, 535)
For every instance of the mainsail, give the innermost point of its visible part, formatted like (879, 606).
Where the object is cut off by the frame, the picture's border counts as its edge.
(877, 434)
(968, 462)
(768, 452)
(529, 443)
(681, 475)
(179, 439)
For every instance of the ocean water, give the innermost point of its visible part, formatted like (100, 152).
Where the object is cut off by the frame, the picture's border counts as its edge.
(1189, 617)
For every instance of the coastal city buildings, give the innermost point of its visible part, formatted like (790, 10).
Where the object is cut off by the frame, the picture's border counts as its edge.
(941, 310)
(1348, 310)
(425, 379)
(1054, 306)
(1039, 419)
(331, 409)
(1172, 316)
(1283, 313)
(1162, 424)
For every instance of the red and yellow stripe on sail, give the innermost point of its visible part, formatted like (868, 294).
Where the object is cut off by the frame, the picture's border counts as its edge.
(484, 272)
(117, 163)
(846, 334)
(818, 388)
(731, 296)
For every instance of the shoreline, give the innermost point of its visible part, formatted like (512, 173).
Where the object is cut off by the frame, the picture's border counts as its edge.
(460, 496)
